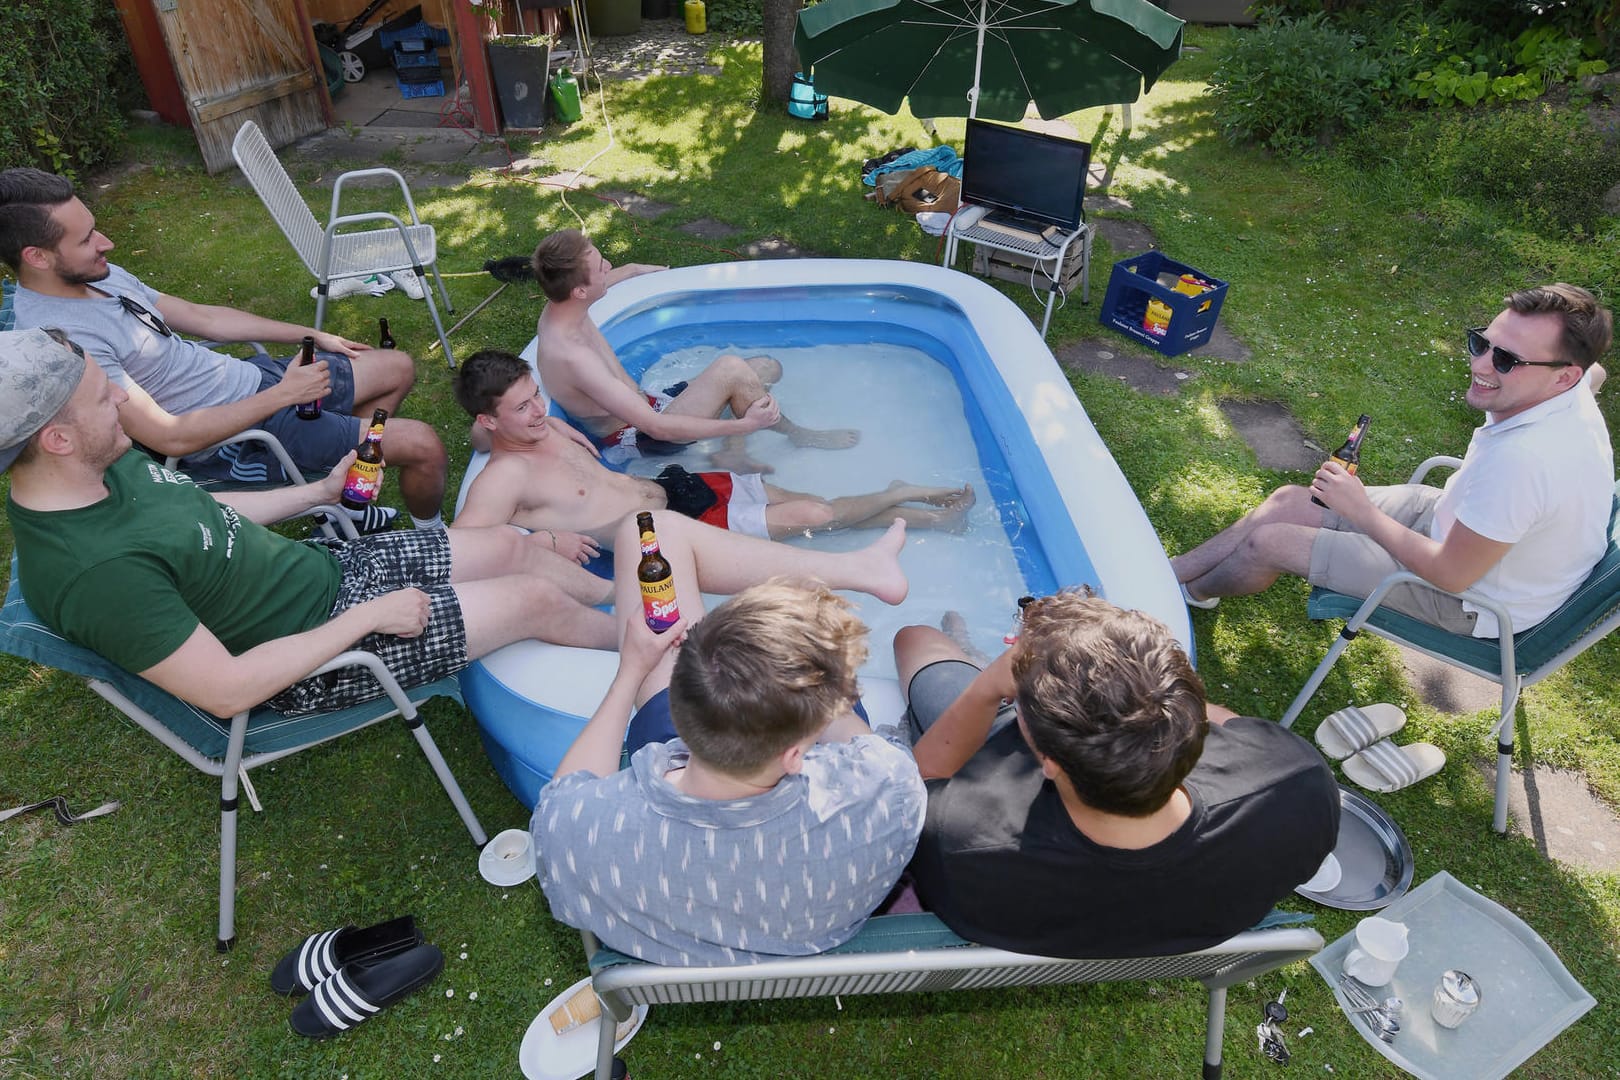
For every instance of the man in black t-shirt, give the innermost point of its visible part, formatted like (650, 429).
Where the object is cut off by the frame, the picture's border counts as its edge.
(1085, 801)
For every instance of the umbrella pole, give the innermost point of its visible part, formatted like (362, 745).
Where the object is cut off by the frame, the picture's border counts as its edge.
(978, 61)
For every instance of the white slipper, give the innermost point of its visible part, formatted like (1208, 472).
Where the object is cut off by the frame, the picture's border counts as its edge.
(1353, 729)
(1385, 767)
(1203, 605)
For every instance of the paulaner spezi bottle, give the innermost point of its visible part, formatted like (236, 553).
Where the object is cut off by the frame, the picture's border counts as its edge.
(361, 486)
(657, 579)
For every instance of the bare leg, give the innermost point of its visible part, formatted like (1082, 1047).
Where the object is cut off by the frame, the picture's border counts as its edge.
(792, 512)
(915, 647)
(500, 610)
(734, 383)
(477, 554)
(1286, 506)
(955, 628)
(726, 562)
(382, 378)
(414, 449)
(1260, 557)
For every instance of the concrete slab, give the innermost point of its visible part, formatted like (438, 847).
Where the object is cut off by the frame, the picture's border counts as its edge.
(1108, 203)
(1271, 431)
(1222, 345)
(1098, 356)
(708, 229)
(1561, 816)
(1125, 237)
(638, 205)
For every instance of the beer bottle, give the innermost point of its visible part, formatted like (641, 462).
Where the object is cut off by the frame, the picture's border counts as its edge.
(308, 410)
(364, 481)
(385, 337)
(1018, 621)
(1349, 455)
(657, 579)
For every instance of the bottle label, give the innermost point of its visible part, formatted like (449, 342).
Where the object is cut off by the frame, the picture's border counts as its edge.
(658, 604)
(363, 482)
(649, 543)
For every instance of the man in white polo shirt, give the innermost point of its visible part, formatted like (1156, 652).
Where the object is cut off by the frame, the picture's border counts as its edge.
(1522, 522)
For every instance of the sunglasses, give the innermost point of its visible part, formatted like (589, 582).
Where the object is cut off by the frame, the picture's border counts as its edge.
(150, 319)
(1502, 360)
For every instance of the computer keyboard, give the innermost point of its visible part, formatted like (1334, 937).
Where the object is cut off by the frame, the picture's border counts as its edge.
(1006, 236)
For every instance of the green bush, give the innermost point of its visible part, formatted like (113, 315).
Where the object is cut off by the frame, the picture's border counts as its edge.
(1293, 84)
(63, 69)
(739, 18)
(1544, 168)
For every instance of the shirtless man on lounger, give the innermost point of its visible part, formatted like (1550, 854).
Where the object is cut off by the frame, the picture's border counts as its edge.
(544, 476)
(584, 376)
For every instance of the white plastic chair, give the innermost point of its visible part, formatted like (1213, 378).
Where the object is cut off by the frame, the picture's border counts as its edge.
(330, 253)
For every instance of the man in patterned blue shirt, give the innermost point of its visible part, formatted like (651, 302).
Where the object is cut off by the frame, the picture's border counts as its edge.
(773, 824)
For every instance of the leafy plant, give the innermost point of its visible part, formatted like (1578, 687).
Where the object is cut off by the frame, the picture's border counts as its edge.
(65, 79)
(1293, 84)
(739, 18)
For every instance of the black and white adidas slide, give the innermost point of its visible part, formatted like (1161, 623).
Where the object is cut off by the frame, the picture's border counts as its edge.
(319, 956)
(373, 519)
(357, 992)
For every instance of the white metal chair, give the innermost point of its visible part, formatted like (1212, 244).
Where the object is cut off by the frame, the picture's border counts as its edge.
(329, 252)
(1512, 661)
(916, 952)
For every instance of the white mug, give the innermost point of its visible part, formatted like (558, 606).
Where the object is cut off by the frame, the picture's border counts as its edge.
(1380, 947)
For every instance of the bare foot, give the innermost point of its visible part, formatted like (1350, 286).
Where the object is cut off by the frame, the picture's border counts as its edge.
(883, 577)
(955, 628)
(831, 439)
(738, 461)
(954, 509)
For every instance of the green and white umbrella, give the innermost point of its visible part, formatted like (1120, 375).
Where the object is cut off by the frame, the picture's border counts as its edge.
(987, 58)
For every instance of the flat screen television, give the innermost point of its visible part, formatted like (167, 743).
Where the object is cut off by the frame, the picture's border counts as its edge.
(1025, 173)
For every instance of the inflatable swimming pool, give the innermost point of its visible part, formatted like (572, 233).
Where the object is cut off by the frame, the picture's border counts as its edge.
(1064, 510)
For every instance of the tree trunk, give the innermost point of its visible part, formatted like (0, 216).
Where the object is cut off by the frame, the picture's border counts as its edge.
(781, 16)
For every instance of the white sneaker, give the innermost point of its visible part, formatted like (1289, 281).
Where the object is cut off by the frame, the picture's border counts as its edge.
(408, 283)
(374, 285)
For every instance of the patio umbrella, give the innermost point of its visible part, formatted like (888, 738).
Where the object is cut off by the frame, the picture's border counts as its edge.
(987, 58)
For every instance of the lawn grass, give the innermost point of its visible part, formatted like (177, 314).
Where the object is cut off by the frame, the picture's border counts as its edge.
(1349, 284)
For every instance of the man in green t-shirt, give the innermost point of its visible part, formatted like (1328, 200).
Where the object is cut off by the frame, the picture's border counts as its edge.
(189, 591)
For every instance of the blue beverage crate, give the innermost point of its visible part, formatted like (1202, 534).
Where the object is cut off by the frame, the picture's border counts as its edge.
(1135, 281)
(425, 89)
(403, 59)
(415, 35)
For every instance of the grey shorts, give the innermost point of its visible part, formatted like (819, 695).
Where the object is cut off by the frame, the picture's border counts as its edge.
(933, 689)
(372, 566)
(314, 445)
(1350, 562)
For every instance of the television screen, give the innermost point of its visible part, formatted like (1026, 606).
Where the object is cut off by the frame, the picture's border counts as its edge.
(1029, 174)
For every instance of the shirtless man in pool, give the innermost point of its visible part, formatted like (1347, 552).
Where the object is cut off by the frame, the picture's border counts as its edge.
(582, 374)
(544, 476)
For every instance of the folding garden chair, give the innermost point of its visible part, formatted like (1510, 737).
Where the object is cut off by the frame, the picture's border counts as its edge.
(904, 953)
(329, 252)
(228, 748)
(1513, 661)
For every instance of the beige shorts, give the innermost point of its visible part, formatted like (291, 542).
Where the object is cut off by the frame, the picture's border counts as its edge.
(1352, 563)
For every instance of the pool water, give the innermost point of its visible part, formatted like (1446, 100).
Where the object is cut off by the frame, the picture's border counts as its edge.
(878, 362)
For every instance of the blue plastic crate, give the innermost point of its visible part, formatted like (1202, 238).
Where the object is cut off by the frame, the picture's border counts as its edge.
(419, 33)
(1135, 281)
(423, 89)
(403, 59)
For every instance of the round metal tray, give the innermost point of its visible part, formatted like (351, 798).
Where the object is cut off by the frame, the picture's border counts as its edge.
(1373, 854)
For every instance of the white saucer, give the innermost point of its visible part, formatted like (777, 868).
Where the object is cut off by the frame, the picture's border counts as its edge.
(508, 859)
(545, 1055)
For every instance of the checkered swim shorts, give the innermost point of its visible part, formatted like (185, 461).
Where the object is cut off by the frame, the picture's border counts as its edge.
(372, 566)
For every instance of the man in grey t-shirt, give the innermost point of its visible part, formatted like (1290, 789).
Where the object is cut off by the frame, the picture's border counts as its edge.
(183, 398)
(775, 822)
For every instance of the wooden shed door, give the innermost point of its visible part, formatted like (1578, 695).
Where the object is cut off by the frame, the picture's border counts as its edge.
(240, 60)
